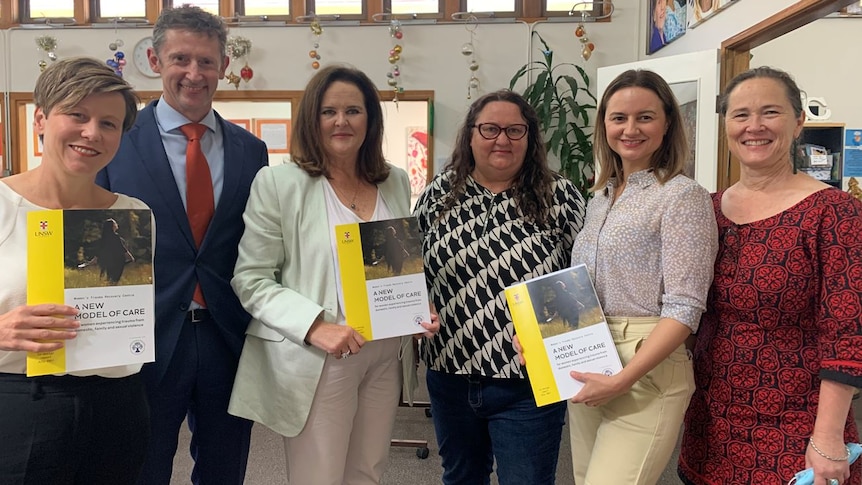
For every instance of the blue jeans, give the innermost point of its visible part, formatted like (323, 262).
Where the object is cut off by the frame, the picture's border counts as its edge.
(478, 419)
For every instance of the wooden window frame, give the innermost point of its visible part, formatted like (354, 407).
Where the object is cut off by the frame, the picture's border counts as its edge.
(598, 10)
(441, 12)
(80, 13)
(96, 14)
(86, 12)
(241, 16)
(522, 9)
(364, 16)
(8, 12)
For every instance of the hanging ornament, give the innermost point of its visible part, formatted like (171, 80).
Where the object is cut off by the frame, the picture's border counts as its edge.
(314, 54)
(233, 79)
(394, 74)
(118, 62)
(587, 47)
(467, 50)
(239, 47)
(48, 44)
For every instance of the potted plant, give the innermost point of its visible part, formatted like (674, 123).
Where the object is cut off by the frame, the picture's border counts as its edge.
(563, 103)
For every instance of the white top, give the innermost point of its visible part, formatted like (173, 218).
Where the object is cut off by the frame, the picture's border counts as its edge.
(337, 213)
(13, 277)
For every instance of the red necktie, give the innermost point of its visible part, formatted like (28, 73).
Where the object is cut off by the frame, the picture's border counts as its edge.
(200, 204)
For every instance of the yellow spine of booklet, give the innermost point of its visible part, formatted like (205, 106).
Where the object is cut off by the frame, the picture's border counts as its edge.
(353, 279)
(382, 277)
(562, 328)
(527, 328)
(45, 280)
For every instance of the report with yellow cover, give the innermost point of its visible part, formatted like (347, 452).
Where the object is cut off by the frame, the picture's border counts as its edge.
(561, 327)
(99, 261)
(382, 277)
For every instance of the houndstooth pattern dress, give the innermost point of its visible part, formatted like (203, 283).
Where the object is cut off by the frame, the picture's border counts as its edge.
(472, 252)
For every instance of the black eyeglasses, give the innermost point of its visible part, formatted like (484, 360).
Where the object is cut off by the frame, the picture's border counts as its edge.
(491, 131)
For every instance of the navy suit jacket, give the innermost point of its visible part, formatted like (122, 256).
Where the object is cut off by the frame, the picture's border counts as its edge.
(141, 169)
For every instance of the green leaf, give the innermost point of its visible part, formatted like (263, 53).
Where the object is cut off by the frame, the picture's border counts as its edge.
(564, 119)
(518, 75)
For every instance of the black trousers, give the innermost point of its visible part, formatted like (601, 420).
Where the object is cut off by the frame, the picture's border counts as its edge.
(66, 430)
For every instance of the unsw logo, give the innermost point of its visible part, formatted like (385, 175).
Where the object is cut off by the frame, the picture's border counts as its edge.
(43, 230)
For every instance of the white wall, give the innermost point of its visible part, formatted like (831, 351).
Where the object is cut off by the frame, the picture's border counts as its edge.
(431, 59)
(822, 56)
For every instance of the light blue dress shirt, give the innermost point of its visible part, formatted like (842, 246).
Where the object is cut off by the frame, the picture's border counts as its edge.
(212, 143)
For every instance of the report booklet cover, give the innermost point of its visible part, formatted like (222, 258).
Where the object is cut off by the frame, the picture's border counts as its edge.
(382, 276)
(100, 262)
(561, 327)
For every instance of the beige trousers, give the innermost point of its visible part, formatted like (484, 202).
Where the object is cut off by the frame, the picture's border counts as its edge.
(630, 439)
(346, 438)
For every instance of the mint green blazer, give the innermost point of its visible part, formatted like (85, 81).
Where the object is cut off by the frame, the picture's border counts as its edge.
(285, 277)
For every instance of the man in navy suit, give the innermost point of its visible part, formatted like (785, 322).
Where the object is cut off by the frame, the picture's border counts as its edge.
(198, 338)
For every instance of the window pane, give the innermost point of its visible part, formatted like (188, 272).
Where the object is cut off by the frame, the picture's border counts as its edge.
(491, 5)
(267, 7)
(52, 8)
(565, 6)
(210, 6)
(415, 6)
(112, 8)
(332, 7)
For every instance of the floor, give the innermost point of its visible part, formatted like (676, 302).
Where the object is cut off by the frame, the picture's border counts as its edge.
(266, 464)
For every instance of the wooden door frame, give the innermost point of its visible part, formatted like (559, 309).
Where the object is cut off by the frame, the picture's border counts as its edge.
(736, 54)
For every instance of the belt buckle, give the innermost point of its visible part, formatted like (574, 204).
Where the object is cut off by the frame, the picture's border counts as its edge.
(197, 315)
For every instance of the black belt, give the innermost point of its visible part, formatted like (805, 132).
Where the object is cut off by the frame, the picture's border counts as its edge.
(198, 315)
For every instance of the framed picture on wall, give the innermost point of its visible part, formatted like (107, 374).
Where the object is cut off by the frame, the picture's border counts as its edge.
(37, 145)
(275, 132)
(242, 123)
(686, 95)
(700, 10)
(667, 21)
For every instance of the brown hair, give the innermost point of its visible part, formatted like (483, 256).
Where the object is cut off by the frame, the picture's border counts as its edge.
(791, 91)
(306, 148)
(533, 188)
(669, 160)
(67, 82)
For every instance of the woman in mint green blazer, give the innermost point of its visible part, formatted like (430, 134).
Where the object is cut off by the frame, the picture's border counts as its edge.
(303, 372)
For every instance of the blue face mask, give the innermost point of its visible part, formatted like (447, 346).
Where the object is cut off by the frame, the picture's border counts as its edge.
(806, 477)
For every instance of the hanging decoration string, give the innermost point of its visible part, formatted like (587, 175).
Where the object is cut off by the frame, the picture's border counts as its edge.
(468, 50)
(394, 74)
(118, 61)
(239, 47)
(587, 47)
(314, 53)
(47, 43)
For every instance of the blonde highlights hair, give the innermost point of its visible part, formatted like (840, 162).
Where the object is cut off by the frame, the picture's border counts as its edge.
(65, 83)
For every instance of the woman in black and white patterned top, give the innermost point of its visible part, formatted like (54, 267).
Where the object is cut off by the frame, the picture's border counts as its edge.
(496, 216)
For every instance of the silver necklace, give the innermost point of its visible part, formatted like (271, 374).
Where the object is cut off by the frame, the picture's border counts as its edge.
(352, 204)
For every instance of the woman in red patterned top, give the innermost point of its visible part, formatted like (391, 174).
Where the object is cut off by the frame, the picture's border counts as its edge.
(779, 351)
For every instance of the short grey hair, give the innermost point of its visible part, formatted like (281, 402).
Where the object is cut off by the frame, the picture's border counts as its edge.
(192, 19)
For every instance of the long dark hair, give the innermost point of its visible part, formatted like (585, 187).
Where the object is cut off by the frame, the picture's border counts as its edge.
(306, 148)
(533, 188)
